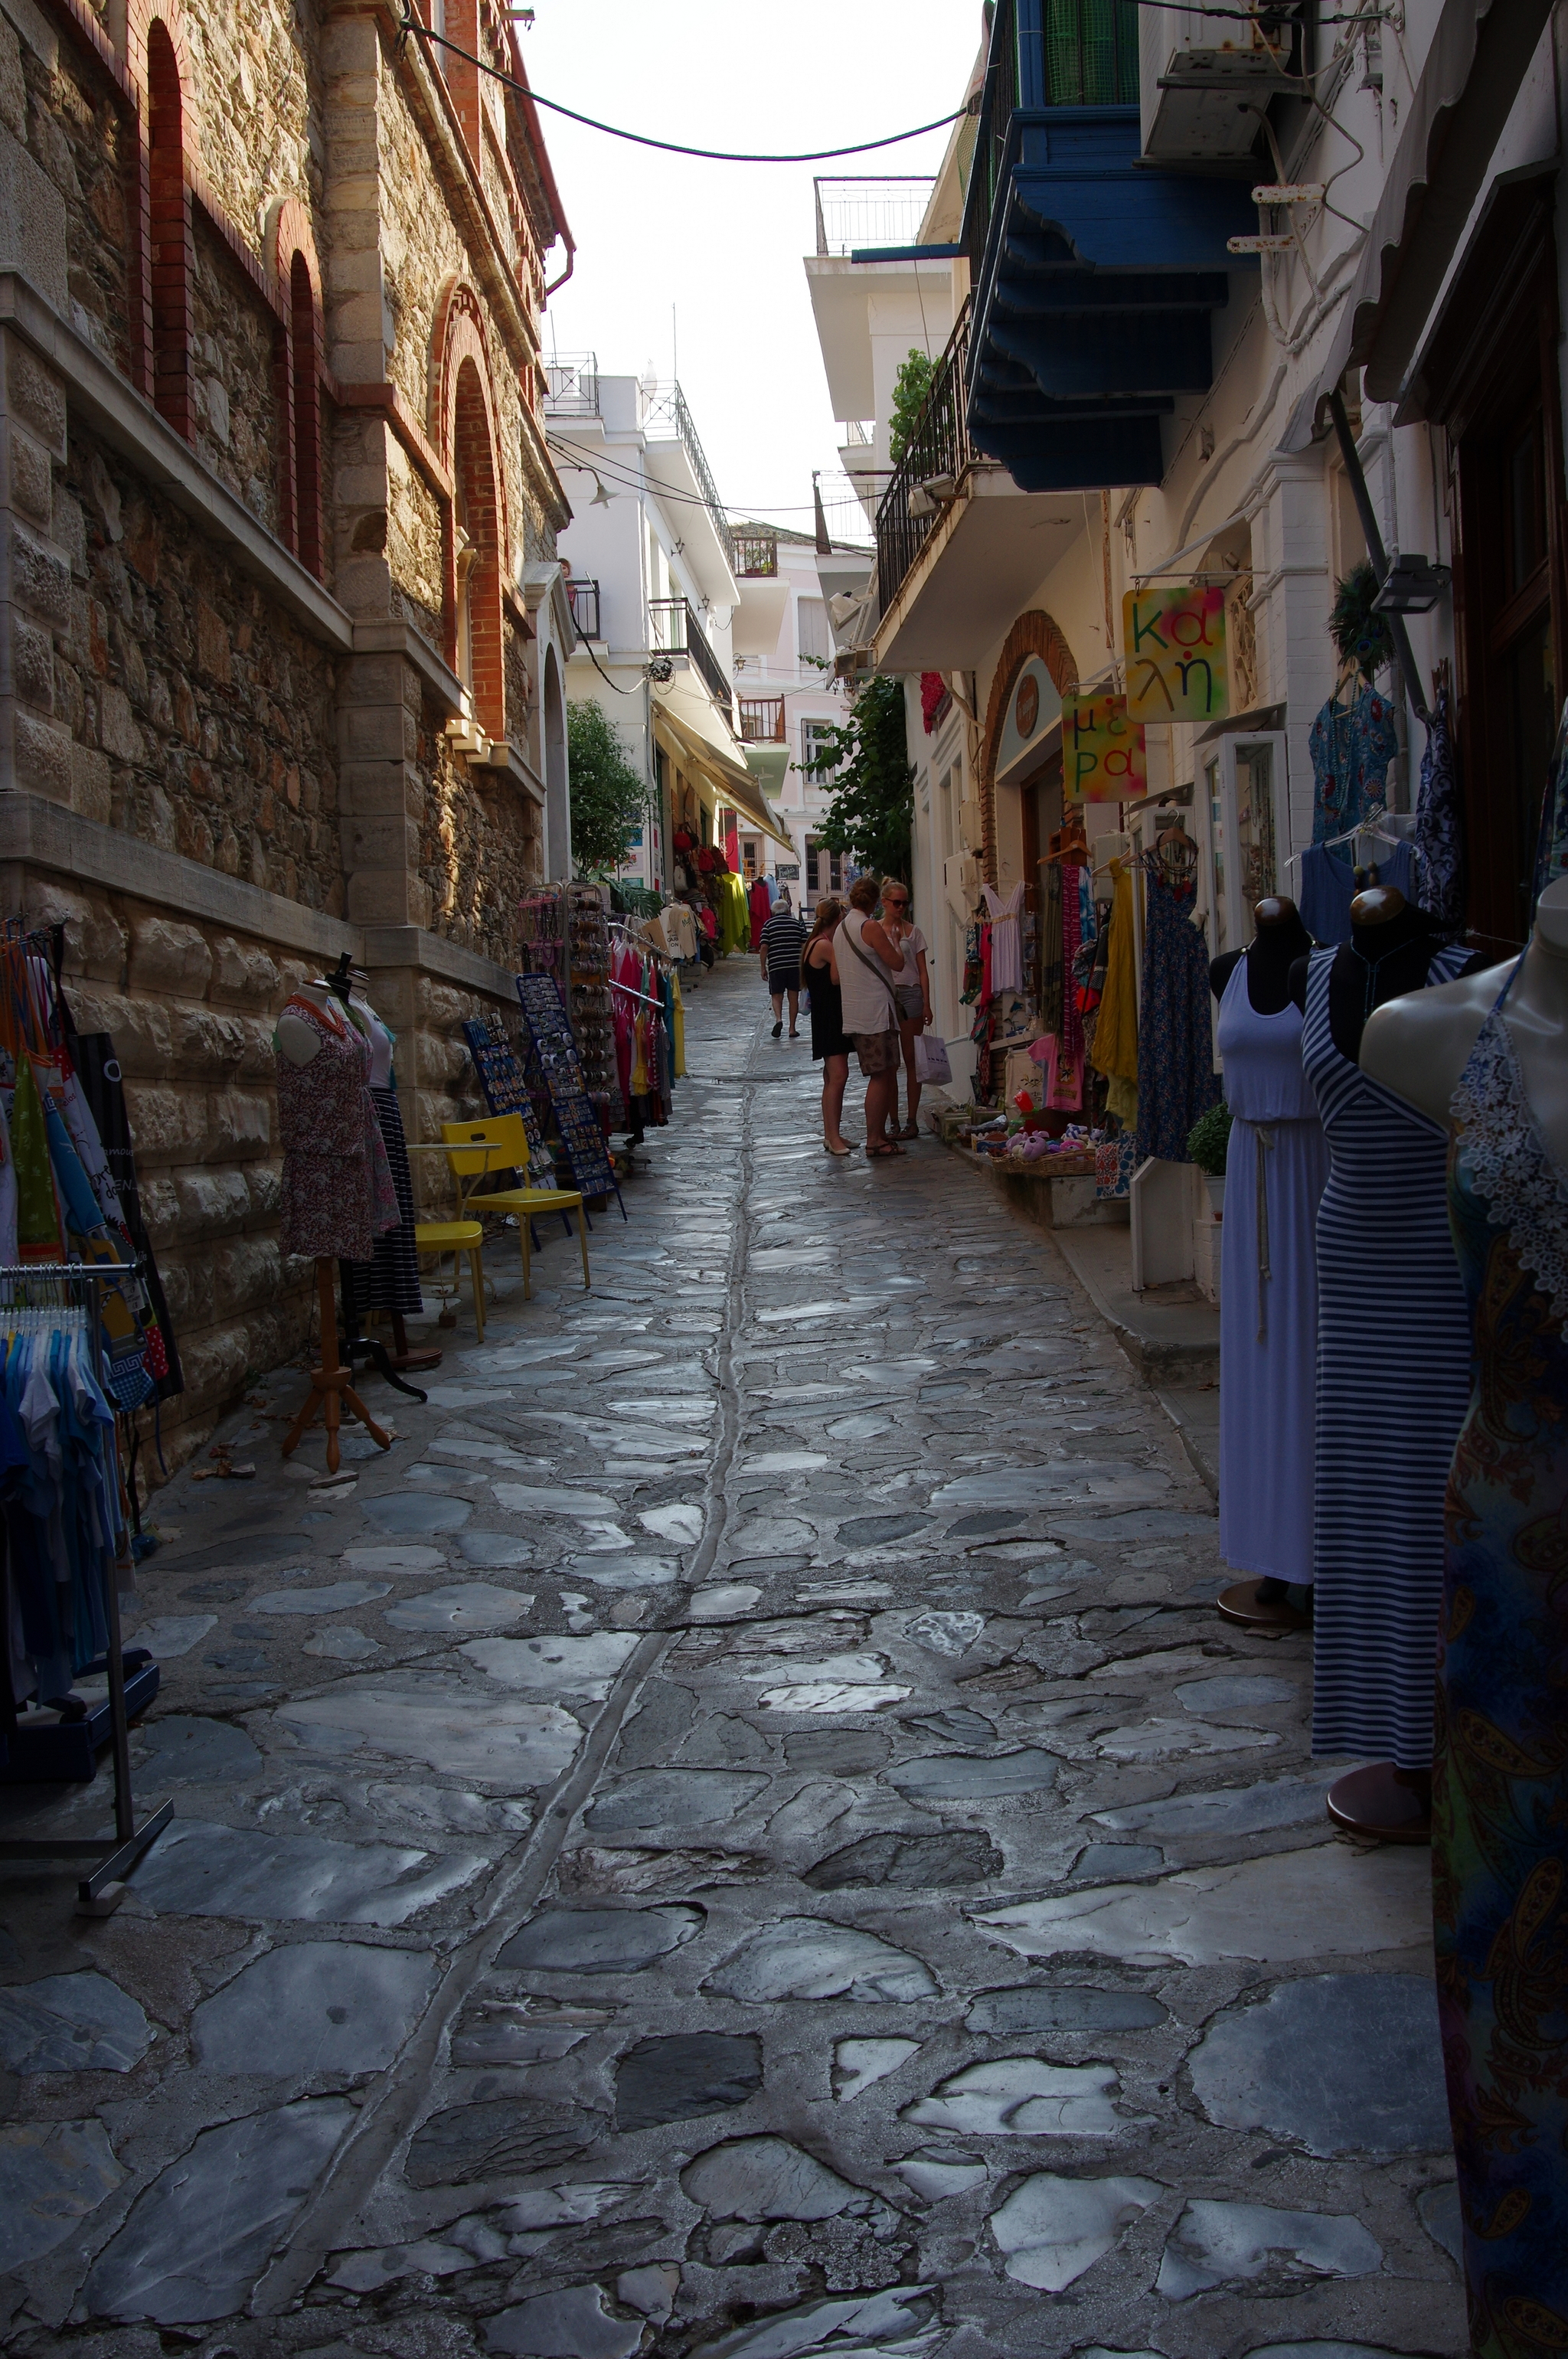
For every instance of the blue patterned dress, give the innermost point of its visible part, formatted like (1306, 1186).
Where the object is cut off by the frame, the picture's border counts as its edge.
(1176, 1076)
(1501, 1783)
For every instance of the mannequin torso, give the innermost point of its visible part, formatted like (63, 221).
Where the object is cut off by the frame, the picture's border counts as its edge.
(1419, 1047)
(297, 1041)
(1280, 940)
(1388, 957)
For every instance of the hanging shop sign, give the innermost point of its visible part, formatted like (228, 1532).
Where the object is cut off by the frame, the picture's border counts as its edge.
(1032, 706)
(1174, 641)
(1102, 751)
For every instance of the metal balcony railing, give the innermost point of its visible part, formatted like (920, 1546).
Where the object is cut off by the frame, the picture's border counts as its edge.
(582, 597)
(762, 720)
(755, 556)
(677, 632)
(1044, 54)
(938, 447)
(870, 208)
(573, 383)
(666, 405)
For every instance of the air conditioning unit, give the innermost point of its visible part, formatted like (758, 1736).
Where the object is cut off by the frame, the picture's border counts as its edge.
(1211, 104)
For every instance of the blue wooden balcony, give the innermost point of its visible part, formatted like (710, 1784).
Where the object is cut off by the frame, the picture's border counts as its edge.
(1095, 278)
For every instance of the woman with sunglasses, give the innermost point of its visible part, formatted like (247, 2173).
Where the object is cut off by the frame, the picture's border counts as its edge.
(911, 989)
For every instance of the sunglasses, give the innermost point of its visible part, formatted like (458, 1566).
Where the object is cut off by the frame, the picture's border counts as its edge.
(897, 900)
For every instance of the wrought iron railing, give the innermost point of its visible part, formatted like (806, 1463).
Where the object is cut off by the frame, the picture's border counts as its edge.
(762, 720)
(938, 448)
(677, 632)
(666, 403)
(582, 597)
(573, 385)
(1044, 54)
(755, 556)
(870, 208)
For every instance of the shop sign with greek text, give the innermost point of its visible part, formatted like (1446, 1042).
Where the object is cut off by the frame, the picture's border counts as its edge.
(1175, 649)
(1103, 755)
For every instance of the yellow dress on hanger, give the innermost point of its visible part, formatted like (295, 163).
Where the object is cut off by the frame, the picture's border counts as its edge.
(1115, 1053)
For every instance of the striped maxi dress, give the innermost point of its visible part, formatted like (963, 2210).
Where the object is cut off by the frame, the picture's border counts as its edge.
(1393, 1385)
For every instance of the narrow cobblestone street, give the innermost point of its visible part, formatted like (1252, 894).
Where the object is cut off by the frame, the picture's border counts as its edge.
(742, 1834)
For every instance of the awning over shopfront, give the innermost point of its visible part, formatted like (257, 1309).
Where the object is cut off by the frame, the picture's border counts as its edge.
(1468, 84)
(698, 742)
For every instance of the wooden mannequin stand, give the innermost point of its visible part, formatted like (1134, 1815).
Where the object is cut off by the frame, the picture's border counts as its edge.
(331, 1384)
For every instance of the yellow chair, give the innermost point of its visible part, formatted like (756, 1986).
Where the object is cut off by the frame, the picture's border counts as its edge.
(497, 1144)
(457, 1238)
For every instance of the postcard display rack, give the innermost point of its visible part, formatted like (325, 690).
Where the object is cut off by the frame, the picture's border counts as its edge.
(565, 933)
(576, 1119)
(58, 1748)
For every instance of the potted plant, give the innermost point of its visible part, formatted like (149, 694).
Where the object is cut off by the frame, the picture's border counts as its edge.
(1207, 1142)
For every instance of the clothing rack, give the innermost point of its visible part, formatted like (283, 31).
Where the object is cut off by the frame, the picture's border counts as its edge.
(646, 997)
(1367, 826)
(96, 1892)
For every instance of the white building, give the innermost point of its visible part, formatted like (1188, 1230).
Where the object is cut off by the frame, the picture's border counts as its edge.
(651, 581)
(788, 696)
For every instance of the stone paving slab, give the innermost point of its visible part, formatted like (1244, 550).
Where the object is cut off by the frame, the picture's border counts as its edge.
(741, 1835)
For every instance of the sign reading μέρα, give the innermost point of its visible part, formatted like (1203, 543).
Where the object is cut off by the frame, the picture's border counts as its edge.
(1102, 751)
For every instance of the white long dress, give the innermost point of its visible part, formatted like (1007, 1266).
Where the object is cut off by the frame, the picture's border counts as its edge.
(1276, 1168)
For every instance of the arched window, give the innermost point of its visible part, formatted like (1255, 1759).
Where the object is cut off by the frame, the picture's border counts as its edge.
(477, 555)
(306, 409)
(170, 231)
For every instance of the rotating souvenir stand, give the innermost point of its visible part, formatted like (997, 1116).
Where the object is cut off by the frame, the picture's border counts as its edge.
(583, 1141)
(66, 1749)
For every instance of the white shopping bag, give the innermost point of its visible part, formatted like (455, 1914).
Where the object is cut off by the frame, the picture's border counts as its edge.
(931, 1058)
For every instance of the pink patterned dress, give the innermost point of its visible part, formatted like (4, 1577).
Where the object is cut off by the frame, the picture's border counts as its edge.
(337, 1184)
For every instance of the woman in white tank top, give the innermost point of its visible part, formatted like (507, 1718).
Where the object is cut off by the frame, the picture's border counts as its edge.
(867, 963)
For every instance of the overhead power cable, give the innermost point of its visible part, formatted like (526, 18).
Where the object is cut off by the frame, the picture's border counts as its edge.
(411, 24)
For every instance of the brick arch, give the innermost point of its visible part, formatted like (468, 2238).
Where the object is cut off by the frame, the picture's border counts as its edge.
(157, 55)
(298, 348)
(1035, 633)
(463, 427)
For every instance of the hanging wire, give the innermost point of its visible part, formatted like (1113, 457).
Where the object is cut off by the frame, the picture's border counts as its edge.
(411, 24)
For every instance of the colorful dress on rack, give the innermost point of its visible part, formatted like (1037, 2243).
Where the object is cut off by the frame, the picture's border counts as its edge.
(1276, 1167)
(1115, 1052)
(1438, 836)
(337, 1185)
(1392, 1385)
(1351, 746)
(1500, 1773)
(1176, 1054)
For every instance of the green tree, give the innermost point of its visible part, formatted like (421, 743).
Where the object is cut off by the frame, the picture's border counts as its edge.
(609, 801)
(911, 388)
(867, 765)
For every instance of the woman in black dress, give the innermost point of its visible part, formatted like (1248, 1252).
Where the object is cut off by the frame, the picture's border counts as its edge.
(819, 964)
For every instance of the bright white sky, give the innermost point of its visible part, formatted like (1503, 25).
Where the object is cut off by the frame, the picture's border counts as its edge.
(723, 242)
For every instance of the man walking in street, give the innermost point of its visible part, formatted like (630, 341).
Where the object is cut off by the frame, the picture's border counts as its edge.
(783, 938)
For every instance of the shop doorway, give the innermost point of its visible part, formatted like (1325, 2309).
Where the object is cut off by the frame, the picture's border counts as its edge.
(1489, 378)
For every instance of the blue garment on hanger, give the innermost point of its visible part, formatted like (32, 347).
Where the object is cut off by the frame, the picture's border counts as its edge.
(1351, 748)
(1438, 833)
(1329, 886)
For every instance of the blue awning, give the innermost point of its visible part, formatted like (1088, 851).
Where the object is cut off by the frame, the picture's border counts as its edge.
(1096, 301)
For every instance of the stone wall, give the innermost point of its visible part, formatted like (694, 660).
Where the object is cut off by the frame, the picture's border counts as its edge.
(73, 128)
(233, 395)
(192, 1007)
(207, 715)
(226, 757)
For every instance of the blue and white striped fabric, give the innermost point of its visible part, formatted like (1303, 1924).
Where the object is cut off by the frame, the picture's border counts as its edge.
(1393, 1387)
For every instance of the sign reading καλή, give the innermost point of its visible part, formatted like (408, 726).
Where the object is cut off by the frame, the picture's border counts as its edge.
(1175, 654)
(1102, 751)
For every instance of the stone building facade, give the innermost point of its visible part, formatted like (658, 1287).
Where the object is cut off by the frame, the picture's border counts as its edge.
(282, 630)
